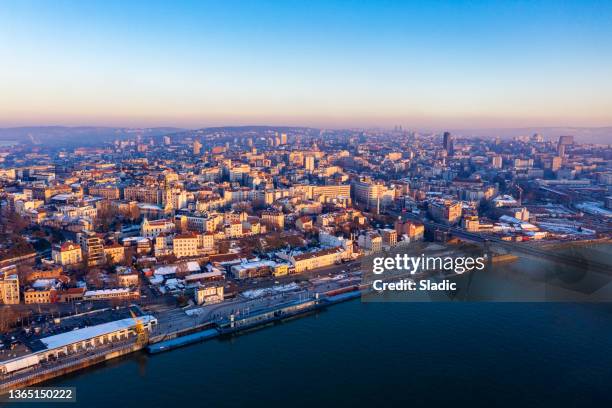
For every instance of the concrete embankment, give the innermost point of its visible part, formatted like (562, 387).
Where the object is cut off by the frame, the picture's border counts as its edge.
(504, 258)
(576, 244)
(169, 341)
(160, 345)
(66, 368)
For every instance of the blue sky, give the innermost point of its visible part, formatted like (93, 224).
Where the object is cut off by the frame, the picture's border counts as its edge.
(327, 63)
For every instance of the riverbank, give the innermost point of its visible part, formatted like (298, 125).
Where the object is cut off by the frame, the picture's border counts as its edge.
(169, 341)
(67, 368)
(355, 353)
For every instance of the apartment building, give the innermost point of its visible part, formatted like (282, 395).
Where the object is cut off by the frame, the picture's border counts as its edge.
(143, 195)
(445, 211)
(115, 253)
(67, 254)
(105, 191)
(185, 245)
(371, 241)
(40, 296)
(273, 218)
(316, 259)
(93, 246)
(410, 230)
(9, 285)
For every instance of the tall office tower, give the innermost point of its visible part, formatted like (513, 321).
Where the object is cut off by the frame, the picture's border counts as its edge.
(497, 162)
(562, 143)
(561, 150)
(167, 140)
(309, 163)
(283, 138)
(556, 163)
(197, 147)
(448, 143)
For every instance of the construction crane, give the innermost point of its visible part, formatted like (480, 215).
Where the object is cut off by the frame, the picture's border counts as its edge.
(142, 334)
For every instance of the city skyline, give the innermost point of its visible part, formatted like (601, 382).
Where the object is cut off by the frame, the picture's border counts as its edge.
(202, 202)
(455, 65)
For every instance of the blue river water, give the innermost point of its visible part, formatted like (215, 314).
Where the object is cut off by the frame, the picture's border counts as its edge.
(386, 354)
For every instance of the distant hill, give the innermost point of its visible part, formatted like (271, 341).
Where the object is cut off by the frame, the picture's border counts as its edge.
(90, 135)
(256, 128)
(82, 135)
(601, 135)
(245, 129)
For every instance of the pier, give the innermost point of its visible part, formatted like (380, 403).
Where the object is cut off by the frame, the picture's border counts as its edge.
(159, 342)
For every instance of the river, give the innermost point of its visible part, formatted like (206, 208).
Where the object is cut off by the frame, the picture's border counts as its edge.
(388, 354)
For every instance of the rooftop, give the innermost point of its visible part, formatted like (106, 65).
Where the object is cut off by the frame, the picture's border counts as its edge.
(65, 339)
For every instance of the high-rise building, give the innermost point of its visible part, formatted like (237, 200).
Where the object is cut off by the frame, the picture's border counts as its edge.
(561, 150)
(448, 142)
(283, 138)
(197, 147)
(563, 142)
(497, 162)
(556, 163)
(309, 163)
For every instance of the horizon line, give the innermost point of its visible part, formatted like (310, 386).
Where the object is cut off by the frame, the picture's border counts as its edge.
(373, 127)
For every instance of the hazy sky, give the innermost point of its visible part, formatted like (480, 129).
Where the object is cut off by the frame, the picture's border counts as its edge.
(328, 63)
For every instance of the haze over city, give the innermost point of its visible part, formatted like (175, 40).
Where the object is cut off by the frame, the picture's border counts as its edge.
(301, 204)
(323, 64)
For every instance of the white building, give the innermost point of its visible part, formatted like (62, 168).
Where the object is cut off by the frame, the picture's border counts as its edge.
(88, 338)
(151, 229)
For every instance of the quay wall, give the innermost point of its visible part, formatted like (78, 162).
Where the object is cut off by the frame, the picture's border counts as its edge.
(52, 372)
